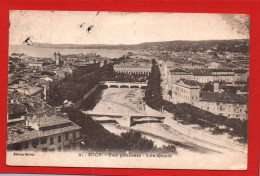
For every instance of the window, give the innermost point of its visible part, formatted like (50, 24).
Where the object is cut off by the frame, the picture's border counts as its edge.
(26, 145)
(66, 136)
(67, 147)
(59, 149)
(43, 140)
(59, 138)
(51, 140)
(16, 146)
(35, 143)
(44, 149)
(74, 135)
(52, 150)
(74, 147)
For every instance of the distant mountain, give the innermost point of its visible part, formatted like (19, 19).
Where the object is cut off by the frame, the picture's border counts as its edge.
(241, 45)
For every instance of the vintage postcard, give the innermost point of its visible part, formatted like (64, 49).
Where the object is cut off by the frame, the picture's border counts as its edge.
(128, 90)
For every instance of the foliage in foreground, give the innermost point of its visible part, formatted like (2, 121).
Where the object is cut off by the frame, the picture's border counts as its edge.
(97, 138)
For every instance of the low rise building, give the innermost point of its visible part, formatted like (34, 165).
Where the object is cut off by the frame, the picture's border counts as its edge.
(31, 91)
(226, 104)
(213, 65)
(36, 64)
(15, 112)
(185, 91)
(241, 75)
(45, 134)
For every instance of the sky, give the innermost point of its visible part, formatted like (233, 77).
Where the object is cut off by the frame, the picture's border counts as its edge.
(75, 27)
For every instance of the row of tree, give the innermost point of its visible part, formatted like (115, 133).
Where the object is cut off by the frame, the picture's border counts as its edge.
(153, 93)
(76, 85)
(188, 114)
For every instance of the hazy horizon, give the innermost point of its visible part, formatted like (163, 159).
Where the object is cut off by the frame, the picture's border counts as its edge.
(125, 44)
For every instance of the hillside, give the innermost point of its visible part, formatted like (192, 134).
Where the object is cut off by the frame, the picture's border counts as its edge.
(215, 45)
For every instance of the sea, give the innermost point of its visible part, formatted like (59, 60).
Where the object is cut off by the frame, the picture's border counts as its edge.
(43, 52)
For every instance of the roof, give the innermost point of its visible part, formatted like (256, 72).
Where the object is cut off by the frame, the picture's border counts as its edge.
(36, 63)
(202, 73)
(222, 70)
(177, 70)
(180, 71)
(24, 134)
(135, 65)
(223, 97)
(188, 83)
(49, 121)
(241, 71)
(30, 90)
(16, 109)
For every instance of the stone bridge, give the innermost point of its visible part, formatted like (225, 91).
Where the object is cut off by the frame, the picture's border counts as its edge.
(114, 84)
(139, 119)
(128, 120)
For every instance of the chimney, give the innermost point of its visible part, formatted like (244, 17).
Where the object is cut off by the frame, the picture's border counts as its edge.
(215, 87)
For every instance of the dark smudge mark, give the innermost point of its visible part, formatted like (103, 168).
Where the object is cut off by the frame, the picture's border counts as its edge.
(28, 41)
(90, 28)
(240, 23)
(97, 13)
(81, 25)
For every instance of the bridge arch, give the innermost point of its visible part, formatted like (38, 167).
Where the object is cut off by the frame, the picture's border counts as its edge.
(134, 87)
(114, 86)
(124, 86)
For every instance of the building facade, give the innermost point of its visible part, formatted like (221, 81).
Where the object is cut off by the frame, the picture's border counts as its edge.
(203, 76)
(229, 105)
(36, 64)
(241, 75)
(45, 134)
(185, 91)
(134, 68)
(219, 75)
(177, 74)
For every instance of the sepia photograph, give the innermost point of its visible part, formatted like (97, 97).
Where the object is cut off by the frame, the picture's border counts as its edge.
(128, 90)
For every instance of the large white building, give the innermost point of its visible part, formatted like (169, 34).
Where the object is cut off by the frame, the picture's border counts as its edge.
(229, 105)
(203, 76)
(185, 91)
(133, 68)
(221, 75)
(45, 134)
